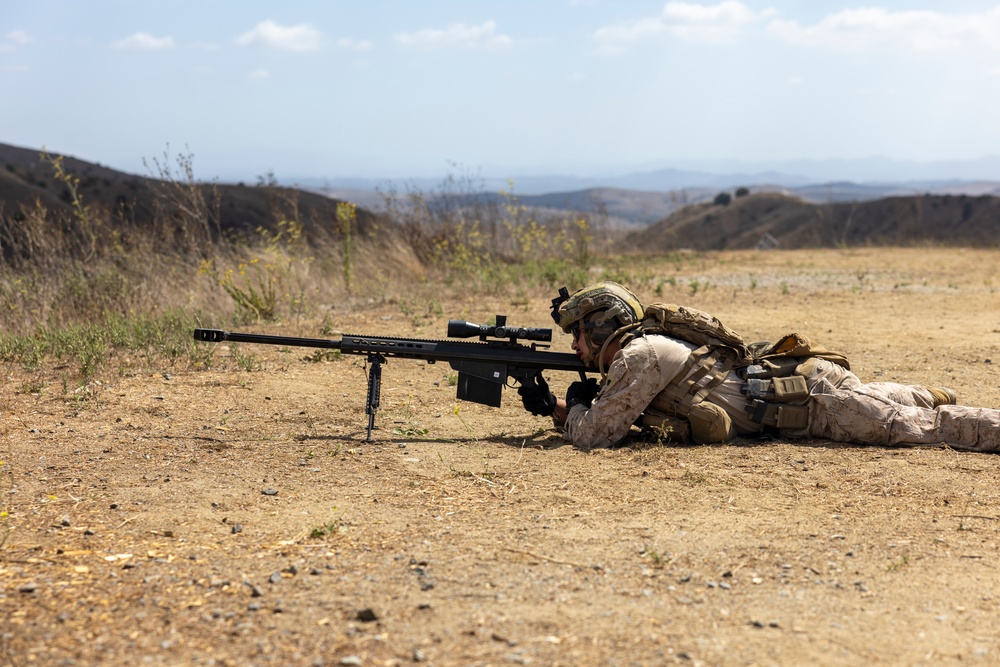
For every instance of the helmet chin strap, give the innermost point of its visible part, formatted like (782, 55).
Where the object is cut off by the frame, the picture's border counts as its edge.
(604, 348)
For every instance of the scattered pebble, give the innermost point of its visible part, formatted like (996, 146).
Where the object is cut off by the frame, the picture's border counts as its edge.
(275, 577)
(367, 615)
(237, 528)
(27, 588)
(351, 660)
(270, 492)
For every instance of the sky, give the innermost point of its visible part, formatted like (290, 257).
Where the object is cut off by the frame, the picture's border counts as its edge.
(396, 88)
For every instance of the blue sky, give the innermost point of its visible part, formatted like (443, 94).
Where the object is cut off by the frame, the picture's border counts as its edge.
(392, 88)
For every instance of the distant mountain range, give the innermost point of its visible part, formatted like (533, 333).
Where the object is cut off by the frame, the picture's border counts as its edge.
(628, 201)
(623, 208)
(643, 197)
(711, 174)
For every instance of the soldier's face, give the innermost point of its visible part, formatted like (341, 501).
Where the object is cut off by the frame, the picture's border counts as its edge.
(583, 347)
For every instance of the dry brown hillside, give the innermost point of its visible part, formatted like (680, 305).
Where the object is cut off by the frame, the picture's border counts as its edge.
(29, 180)
(793, 223)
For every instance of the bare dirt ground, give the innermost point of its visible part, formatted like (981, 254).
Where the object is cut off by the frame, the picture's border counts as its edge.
(181, 517)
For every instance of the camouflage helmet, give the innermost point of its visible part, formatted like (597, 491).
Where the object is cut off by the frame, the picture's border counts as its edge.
(602, 308)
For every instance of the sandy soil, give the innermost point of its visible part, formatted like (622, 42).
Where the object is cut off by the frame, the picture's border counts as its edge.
(180, 517)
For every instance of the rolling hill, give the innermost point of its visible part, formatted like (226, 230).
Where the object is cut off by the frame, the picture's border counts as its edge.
(27, 180)
(776, 220)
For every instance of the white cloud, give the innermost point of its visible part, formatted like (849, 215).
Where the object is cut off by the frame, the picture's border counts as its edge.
(143, 40)
(456, 35)
(795, 81)
(909, 30)
(18, 38)
(259, 74)
(684, 20)
(351, 44)
(302, 37)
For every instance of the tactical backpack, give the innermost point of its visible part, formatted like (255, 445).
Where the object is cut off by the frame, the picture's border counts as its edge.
(768, 370)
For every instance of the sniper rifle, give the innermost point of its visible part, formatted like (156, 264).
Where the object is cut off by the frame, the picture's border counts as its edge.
(483, 367)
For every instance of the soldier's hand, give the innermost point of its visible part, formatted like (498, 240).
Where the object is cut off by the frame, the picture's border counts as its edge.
(581, 393)
(536, 397)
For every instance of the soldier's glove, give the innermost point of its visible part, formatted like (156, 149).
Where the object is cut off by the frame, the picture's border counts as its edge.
(536, 397)
(581, 393)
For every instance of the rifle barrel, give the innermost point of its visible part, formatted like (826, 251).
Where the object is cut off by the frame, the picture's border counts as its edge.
(219, 336)
(515, 354)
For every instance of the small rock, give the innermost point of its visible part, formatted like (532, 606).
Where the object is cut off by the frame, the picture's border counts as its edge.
(237, 528)
(350, 661)
(253, 606)
(30, 587)
(65, 521)
(367, 616)
(418, 655)
(315, 571)
(275, 577)
(270, 492)
(255, 590)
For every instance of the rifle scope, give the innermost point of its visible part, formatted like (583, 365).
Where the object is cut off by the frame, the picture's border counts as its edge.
(464, 329)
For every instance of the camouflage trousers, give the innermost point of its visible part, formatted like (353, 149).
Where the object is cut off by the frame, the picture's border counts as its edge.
(843, 408)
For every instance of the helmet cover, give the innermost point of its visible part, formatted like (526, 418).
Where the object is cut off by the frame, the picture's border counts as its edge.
(597, 306)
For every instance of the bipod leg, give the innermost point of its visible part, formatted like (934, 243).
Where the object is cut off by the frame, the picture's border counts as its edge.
(376, 360)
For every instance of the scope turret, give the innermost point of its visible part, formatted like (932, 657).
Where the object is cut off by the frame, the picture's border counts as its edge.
(464, 329)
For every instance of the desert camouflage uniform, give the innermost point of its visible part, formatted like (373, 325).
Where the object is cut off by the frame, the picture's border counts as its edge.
(841, 407)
